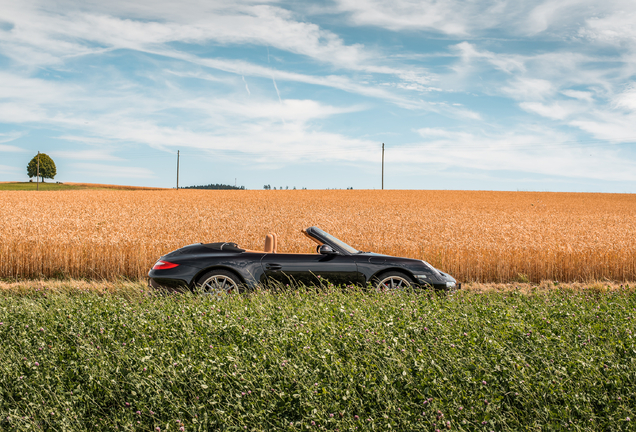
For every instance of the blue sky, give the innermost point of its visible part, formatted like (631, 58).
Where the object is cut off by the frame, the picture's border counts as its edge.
(495, 95)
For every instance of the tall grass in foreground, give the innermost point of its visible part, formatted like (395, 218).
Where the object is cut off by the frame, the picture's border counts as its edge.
(326, 360)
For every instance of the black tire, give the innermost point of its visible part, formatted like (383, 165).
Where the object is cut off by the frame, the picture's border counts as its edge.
(219, 283)
(391, 281)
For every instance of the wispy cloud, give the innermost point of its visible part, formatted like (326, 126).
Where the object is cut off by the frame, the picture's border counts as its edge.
(10, 148)
(97, 155)
(115, 171)
(11, 136)
(478, 85)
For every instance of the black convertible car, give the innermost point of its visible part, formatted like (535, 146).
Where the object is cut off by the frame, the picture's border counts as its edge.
(220, 268)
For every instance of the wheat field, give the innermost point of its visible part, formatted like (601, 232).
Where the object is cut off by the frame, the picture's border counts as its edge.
(475, 236)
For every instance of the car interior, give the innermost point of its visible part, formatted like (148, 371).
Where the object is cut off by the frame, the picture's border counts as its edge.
(271, 243)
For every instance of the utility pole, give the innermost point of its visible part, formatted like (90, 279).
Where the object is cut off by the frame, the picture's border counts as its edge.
(382, 166)
(37, 178)
(177, 169)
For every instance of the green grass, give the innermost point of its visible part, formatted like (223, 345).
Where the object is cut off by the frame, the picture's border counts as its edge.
(328, 360)
(24, 186)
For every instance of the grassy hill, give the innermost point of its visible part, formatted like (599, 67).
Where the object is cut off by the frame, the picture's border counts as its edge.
(27, 186)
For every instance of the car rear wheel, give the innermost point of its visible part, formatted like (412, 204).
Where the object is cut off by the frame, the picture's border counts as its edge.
(392, 281)
(219, 283)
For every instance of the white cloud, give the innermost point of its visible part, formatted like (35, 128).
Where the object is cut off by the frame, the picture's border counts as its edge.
(93, 154)
(10, 148)
(11, 170)
(103, 170)
(627, 99)
(581, 95)
(556, 111)
(569, 78)
(11, 136)
(615, 26)
(41, 37)
(525, 88)
(449, 17)
(521, 153)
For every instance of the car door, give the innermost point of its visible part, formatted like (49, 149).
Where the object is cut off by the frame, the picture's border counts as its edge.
(311, 269)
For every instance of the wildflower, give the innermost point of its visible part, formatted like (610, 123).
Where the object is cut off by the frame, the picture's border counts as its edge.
(37, 364)
(127, 403)
(331, 415)
(313, 423)
(157, 428)
(138, 413)
(483, 382)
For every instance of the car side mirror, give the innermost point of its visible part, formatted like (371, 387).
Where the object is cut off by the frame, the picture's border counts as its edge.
(326, 250)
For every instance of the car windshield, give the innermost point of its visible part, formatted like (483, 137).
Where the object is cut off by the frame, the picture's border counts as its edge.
(336, 242)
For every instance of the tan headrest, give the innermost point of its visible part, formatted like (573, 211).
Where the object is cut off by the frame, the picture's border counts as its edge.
(269, 244)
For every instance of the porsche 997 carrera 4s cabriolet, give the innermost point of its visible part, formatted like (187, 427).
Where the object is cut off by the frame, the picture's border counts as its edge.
(222, 268)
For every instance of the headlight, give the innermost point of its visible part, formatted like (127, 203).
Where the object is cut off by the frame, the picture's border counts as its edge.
(450, 284)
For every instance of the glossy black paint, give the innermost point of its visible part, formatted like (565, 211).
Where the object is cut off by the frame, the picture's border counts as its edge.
(339, 267)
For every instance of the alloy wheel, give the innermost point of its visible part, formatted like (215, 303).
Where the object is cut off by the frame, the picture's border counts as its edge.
(391, 283)
(219, 286)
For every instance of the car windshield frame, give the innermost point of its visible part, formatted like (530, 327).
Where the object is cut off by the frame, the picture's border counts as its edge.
(339, 244)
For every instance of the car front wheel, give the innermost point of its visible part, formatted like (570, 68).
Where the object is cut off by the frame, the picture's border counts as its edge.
(392, 281)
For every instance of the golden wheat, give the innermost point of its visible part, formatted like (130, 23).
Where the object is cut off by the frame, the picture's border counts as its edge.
(475, 236)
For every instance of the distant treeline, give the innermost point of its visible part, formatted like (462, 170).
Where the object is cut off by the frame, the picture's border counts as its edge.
(215, 186)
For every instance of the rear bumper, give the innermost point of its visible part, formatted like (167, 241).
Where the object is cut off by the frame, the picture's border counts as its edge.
(171, 285)
(175, 279)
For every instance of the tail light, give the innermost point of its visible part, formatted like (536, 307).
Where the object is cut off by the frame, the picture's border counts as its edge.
(164, 265)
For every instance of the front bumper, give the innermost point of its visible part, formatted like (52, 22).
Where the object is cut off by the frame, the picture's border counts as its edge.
(448, 283)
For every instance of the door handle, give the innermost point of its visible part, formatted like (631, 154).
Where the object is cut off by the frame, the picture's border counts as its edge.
(273, 267)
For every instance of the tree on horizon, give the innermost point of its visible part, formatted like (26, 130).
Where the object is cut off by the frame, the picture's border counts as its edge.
(47, 167)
